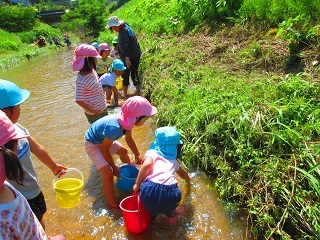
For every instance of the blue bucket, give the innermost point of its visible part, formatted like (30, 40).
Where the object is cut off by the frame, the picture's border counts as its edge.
(127, 177)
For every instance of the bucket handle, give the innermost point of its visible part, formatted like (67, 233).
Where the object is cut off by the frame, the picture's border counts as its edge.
(64, 172)
(138, 200)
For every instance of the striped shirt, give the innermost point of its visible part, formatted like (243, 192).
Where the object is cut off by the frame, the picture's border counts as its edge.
(89, 90)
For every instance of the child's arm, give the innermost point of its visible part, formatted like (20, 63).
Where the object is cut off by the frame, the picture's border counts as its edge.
(41, 153)
(143, 173)
(116, 92)
(132, 145)
(86, 106)
(183, 174)
(106, 144)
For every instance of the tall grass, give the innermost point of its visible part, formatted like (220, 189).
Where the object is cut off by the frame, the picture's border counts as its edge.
(250, 132)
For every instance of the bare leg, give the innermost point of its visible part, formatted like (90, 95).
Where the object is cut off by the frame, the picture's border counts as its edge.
(115, 96)
(125, 92)
(107, 185)
(137, 90)
(42, 224)
(123, 154)
(108, 95)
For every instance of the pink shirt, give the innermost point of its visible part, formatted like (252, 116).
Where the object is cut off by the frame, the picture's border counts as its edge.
(89, 90)
(162, 171)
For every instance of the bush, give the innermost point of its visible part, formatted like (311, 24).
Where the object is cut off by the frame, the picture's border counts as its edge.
(8, 42)
(41, 29)
(17, 18)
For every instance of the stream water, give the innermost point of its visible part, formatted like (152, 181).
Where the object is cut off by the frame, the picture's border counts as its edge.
(58, 123)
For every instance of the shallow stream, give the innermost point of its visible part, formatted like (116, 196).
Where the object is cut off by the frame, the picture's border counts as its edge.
(58, 123)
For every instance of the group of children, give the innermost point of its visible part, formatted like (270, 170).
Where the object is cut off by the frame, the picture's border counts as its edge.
(156, 182)
(19, 187)
(41, 42)
(101, 138)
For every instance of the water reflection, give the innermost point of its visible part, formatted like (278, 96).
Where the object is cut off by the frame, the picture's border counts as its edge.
(57, 122)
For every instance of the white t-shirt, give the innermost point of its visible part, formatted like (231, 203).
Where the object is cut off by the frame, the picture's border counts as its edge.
(109, 78)
(114, 53)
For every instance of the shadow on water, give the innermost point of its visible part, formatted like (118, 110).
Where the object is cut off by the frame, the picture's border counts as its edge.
(58, 123)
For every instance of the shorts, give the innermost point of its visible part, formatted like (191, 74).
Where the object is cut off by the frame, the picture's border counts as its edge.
(38, 206)
(106, 86)
(92, 118)
(95, 153)
(158, 198)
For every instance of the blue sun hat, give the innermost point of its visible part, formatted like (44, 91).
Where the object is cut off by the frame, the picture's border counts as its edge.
(117, 64)
(11, 95)
(96, 46)
(166, 143)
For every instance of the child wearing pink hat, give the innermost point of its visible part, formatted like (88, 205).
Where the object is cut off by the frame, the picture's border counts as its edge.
(89, 93)
(17, 220)
(101, 140)
(104, 62)
(11, 97)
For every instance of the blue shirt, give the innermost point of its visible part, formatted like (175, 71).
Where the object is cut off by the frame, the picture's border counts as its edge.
(106, 127)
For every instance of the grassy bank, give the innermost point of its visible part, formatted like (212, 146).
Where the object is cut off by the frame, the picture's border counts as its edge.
(245, 98)
(247, 102)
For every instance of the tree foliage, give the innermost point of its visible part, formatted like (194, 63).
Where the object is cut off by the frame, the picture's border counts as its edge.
(17, 18)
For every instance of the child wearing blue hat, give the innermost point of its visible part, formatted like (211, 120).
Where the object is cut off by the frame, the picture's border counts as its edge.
(156, 181)
(11, 96)
(108, 82)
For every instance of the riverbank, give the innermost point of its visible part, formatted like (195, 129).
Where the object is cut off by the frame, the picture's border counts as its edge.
(249, 114)
(249, 117)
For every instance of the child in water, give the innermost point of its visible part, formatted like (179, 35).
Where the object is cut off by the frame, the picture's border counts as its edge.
(89, 93)
(11, 96)
(17, 220)
(159, 192)
(108, 81)
(101, 140)
(104, 62)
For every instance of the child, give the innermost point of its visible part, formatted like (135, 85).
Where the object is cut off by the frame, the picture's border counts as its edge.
(17, 220)
(114, 52)
(89, 93)
(101, 140)
(11, 96)
(96, 46)
(41, 42)
(104, 62)
(108, 81)
(159, 192)
(66, 39)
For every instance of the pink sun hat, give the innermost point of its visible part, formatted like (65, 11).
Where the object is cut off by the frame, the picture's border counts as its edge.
(133, 108)
(104, 46)
(7, 132)
(81, 52)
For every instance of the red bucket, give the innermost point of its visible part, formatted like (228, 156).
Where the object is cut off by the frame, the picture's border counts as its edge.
(136, 217)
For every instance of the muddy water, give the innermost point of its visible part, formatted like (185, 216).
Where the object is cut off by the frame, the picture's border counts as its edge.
(54, 120)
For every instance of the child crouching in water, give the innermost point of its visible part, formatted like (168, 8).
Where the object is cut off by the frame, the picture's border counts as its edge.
(156, 181)
(101, 140)
(108, 82)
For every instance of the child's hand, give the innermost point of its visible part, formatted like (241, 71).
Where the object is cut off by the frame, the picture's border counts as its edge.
(138, 159)
(116, 171)
(135, 189)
